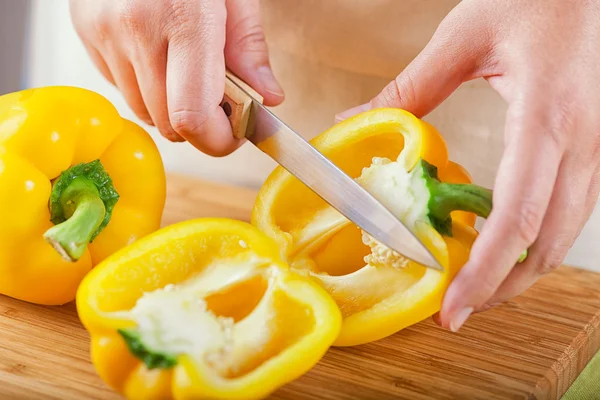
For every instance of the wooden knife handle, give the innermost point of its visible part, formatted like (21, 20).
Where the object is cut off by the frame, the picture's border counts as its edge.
(237, 105)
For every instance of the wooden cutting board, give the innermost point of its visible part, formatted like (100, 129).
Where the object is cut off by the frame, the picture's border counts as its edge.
(531, 348)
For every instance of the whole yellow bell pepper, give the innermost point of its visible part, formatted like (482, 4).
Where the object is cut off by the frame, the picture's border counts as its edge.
(204, 309)
(77, 183)
(403, 162)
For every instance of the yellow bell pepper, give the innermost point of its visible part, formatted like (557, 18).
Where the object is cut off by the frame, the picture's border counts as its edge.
(403, 162)
(77, 183)
(204, 309)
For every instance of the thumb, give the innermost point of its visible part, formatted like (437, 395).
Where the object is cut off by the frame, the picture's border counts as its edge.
(246, 53)
(458, 51)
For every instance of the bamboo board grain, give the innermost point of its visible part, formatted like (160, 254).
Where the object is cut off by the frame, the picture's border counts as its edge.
(531, 348)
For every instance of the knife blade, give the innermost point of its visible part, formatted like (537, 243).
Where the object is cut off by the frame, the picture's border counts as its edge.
(251, 119)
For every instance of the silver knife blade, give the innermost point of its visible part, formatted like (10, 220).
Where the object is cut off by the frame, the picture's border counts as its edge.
(290, 150)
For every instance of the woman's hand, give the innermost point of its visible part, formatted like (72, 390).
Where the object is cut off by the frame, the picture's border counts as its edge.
(543, 58)
(168, 58)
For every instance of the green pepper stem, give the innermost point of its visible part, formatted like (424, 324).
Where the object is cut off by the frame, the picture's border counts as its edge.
(448, 197)
(84, 212)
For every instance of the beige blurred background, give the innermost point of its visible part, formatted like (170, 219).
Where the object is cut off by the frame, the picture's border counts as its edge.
(329, 55)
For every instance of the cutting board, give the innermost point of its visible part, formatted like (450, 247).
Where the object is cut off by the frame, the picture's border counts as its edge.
(531, 348)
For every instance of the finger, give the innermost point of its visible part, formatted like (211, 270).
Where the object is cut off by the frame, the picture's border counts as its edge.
(246, 52)
(557, 234)
(196, 79)
(126, 81)
(98, 60)
(524, 185)
(146, 47)
(150, 65)
(458, 51)
(110, 56)
(437, 319)
(592, 194)
(90, 32)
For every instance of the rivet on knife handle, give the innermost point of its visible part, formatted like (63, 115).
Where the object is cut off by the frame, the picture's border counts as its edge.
(238, 105)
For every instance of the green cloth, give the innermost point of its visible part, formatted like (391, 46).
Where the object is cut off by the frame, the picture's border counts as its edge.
(587, 384)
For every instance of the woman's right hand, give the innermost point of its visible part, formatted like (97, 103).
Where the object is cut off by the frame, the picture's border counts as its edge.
(168, 59)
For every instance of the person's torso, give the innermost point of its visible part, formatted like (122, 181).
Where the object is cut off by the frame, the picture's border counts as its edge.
(330, 55)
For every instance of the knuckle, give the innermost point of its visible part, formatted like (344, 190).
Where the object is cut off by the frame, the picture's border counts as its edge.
(180, 21)
(528, 221)
(91, 21)
(551, 260)
(486, 287)
(562, 125)
(546, 266)
(175, 9)
(400, 92)
(595, 153)
(186, 121)
(406, 90)
(133, 17)
(252, 40)
(100, 24)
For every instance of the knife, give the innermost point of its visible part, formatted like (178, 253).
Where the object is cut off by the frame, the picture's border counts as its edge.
(251, 120)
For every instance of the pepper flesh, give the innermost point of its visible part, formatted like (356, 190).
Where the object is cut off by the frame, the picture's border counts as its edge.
(43, 133)
(281, 323)
(376, 299)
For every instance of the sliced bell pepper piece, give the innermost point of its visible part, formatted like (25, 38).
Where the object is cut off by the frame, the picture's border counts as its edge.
(403, 162)
(204, 309)
(77, 183)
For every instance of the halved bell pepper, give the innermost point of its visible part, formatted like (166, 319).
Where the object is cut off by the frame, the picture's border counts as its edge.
(204, 309)
(77, 183)
(403, 162)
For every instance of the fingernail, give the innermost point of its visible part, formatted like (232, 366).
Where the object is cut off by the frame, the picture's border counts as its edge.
(352, 111)
(269, 82)
(460, 318)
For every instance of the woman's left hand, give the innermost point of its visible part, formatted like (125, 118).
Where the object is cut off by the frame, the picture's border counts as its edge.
(543, 58)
